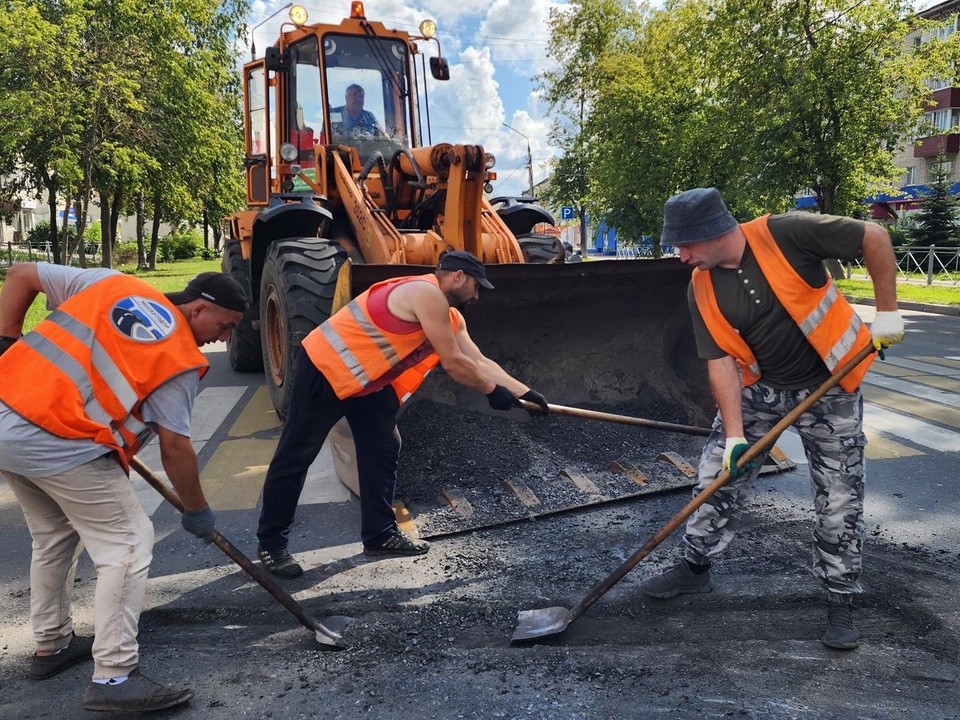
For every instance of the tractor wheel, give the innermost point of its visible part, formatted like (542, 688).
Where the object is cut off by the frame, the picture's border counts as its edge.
(296, 295)
(243, 345)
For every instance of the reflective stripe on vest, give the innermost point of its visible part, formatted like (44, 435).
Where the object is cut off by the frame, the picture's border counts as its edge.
(352, 351)
(831, 326)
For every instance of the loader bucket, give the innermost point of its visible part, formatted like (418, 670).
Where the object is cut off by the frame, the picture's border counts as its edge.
(602, 333)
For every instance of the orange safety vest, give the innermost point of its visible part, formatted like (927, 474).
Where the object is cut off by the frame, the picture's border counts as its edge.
(826, 319)
(352, 351)
(84, 371)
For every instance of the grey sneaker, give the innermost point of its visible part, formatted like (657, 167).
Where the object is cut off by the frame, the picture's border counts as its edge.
(397, 543)
(137, 694)
(678, 581)
(841, 633)
(46, 666)
(279, 563)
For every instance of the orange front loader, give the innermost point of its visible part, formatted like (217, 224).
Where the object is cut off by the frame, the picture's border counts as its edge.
(339, 200)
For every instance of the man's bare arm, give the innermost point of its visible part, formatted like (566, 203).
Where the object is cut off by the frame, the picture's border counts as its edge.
(430, 308)
(21, 286)
(881, 264)
(726, 386)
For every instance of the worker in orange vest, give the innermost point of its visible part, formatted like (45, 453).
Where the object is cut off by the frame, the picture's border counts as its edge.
(362, 364)
(115, 361)
(772, 327)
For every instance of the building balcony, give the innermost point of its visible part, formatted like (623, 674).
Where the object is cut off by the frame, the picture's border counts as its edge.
(935, 144)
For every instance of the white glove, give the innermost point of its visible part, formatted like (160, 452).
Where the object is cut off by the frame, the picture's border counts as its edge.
(887, 329)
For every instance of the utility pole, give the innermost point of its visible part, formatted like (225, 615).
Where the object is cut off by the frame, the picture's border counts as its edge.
(529, 157)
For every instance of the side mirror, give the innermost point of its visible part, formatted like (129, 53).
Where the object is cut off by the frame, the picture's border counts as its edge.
(274, 59)
(439, 68)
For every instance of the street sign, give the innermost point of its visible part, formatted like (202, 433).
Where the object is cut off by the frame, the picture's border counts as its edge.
(566, 212)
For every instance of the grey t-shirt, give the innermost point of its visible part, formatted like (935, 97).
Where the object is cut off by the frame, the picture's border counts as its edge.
(787, 361)
(30, 450)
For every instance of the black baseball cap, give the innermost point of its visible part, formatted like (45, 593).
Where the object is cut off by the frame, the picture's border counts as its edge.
(462, 260)
(215, 287)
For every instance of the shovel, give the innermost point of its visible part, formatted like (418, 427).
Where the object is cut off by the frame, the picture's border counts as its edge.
(533, 624)
(622, 419)
(327, 632)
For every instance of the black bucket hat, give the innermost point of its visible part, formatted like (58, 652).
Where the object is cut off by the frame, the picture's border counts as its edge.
(694, 216)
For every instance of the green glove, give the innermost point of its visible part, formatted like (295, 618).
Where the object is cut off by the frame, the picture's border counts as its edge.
(733, 450)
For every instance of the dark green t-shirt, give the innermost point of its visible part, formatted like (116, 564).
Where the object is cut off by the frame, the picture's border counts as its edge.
(787, 361)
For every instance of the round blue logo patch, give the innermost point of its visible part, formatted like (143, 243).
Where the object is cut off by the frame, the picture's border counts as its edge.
(142, 319)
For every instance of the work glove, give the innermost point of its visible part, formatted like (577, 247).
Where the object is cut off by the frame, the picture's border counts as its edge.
(734, 448)
(535, 397)
(501, 398)
(6, 342)
(886, 330)
(200, 523)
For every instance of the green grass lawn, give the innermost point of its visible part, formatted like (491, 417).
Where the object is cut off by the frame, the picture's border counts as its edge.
(168, 277)
(906, 292)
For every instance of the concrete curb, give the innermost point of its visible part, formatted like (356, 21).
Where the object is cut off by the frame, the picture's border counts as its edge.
(919, 307)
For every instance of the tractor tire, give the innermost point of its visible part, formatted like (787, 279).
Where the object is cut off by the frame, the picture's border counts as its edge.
(296, 295)
(540, 248)
(243, 345)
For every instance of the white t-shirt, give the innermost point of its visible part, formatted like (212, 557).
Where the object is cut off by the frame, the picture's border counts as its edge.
(30, 450)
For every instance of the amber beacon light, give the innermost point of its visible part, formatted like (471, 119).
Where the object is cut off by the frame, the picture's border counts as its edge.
(356, 11)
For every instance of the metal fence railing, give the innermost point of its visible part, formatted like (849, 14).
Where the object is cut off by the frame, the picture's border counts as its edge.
(14, 253)
(923, 266)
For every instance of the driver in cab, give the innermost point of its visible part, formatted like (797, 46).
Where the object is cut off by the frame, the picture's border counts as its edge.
(356, 121)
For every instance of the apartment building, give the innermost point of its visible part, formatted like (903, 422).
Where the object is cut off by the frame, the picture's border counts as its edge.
(938, 132)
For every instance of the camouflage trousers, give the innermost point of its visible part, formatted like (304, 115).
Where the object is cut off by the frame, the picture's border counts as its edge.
(833, 440)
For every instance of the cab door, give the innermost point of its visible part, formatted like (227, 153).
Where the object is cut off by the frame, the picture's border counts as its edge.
(257, 125)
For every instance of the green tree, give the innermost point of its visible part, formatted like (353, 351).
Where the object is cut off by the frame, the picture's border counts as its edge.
(935, 223)
(580, 33)
(821, 90)
(120, 97)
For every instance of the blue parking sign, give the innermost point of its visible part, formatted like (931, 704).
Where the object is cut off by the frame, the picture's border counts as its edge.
(566, 212)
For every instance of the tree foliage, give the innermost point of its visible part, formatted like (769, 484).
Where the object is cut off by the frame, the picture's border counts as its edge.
(102, 100)
(760, 98)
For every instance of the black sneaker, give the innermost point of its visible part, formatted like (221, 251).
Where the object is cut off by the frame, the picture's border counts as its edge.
(46, 666)
(397, 543)
(279, 562)
(841, 632)
(135, 694)
(679, 580)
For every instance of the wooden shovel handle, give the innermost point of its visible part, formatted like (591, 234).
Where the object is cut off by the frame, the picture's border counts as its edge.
(621, 419)
(758, 448)
(281, 595)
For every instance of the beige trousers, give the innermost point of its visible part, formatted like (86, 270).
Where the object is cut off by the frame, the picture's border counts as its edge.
(94, 507)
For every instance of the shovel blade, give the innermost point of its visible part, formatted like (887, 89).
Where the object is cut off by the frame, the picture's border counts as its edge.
(329, 631)
(532, 624)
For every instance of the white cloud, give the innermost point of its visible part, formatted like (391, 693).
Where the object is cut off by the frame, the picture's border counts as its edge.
(517, 34)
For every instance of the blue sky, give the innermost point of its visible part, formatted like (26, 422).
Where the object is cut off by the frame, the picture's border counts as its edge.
(494, 48)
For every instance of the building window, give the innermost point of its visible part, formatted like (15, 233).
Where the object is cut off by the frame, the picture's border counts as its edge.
(911, 178)
(939, 122)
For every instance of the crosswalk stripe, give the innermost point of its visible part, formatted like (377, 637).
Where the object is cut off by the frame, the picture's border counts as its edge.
(880, 447)
(210, 409)
(913, 389)
(915, 431)
(928, 365)
(938, 381)
(233, 477)
(935, 411)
